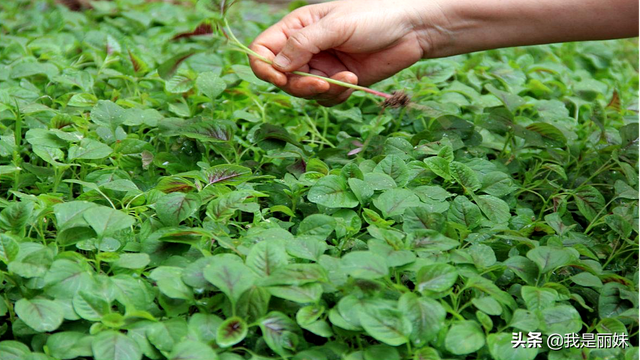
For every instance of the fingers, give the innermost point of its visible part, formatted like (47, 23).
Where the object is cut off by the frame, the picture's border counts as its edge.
(338, 94)
(299, 40)
(274, 39)
(306, 87)
(263, 70)
(304, 43)
(267, 44)
(316, 89)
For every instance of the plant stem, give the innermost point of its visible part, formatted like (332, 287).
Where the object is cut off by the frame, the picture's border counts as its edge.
(245, 49)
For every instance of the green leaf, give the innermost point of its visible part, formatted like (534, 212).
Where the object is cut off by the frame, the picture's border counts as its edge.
(70, 214)
(319, 225)
(216, 131)
(611, 326)
(204, 327)
(69, 345)
(309, 248)
(44, 138)
(546, 135)
(178, 84)
(464, 212)
(210, 84)
(493, 208)
(82, 100)
(379, 181)
(549, 259)
(280, 333)
(267, 256)
(27, 69)
(232, 277)
(501, 348)
(8, 248)
(227, 174)
(364, 265)
(309, 314)
(40, 314)
(231, 332)
(488, 305)
(426, 316)
(381, 352)
(176, 207)
(538, 298)
(89, 149)
(394, 202)
(112, 345)
(611, 302)
(331, 191)
(33, 263)
(49, 154)
(497, 183)
(15, 217)
(169, 280)
(464, 337)
(192, 350)
(106, 221)
(561, 319)
(13, 350)
(421, 218)
(590, 201)
(394, 166)
(296, 274)
(304, 294)
(361, 189)
(133, 261)
(108, 114)
(386, 325)
(90, 306)
(438, 166)
(253, 304)
(619, 224)
(170, 66)
(464, 176)
(524, 320)
(436, 277)
(166, 334)
(523, 267)
(272, 136)
(587, 279)
(65, 278)
(511, 101)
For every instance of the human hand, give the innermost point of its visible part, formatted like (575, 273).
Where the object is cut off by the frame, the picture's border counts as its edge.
(355, 41)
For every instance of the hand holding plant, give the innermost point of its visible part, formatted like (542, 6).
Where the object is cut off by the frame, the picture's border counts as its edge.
(357, 41)
(364, 41)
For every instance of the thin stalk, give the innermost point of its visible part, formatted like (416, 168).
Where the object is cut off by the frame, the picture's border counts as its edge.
(245, 49)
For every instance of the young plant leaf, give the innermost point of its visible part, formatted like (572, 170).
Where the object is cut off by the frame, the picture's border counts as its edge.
(232, 277)
(231, 332)
(40, 314)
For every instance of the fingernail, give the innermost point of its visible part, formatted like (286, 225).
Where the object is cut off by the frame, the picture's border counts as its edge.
(281, 61)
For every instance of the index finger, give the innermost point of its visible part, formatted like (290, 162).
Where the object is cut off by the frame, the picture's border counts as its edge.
(268, 44)
(273, 40)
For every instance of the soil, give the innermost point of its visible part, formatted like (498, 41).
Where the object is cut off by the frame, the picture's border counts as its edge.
(398, 99)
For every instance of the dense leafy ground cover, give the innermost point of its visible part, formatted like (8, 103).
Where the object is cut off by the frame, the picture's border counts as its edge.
(210, 216)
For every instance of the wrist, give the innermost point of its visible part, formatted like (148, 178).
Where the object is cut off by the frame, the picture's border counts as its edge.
(451, 27)
(436, 24)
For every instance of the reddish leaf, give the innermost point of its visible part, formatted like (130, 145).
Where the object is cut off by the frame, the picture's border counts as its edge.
(202, 29)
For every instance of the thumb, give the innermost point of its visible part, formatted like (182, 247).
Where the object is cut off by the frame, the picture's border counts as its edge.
(303, 44)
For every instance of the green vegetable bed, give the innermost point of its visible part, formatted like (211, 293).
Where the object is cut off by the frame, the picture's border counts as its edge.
(160, 202)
